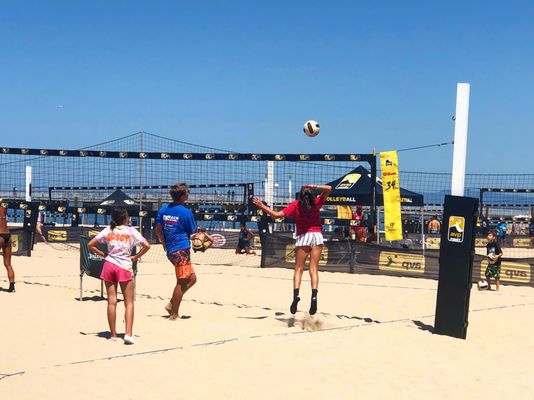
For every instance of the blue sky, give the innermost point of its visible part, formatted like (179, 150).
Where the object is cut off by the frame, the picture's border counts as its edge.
(245, 76)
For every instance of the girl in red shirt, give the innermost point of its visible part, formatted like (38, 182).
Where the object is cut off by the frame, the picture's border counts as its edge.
(308, 236)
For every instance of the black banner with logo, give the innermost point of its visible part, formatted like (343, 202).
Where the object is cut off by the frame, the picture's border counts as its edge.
(187, 156)
(91, 264)
(19, 242)
(368, 258)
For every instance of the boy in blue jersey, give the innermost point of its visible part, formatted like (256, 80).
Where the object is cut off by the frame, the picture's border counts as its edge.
(174, 226)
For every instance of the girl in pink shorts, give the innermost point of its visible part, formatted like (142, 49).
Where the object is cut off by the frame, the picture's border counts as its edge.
(118, 266)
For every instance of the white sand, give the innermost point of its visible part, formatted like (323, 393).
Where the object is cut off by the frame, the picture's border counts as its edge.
(366, 342)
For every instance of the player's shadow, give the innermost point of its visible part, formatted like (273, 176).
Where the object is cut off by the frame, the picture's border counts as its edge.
(422, 326)
(102, 334)
(91, 298)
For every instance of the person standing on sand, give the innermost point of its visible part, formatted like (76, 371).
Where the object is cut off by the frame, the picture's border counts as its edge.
(6, 246)
(309, 236)
(174, 226)
(120, 239)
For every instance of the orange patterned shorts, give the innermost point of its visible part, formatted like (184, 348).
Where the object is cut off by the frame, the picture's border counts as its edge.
(181, 260)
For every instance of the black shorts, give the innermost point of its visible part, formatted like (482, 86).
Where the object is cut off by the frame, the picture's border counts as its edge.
(6, 237)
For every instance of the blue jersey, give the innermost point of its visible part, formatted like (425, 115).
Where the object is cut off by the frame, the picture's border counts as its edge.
(178, 225)
(502, 229)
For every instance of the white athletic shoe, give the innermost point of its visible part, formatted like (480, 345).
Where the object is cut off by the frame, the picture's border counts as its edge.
(129, 339)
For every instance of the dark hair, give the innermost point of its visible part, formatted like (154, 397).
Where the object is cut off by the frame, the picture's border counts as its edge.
(119, 216)
(493, 232)
(306, 199)
(178, 190)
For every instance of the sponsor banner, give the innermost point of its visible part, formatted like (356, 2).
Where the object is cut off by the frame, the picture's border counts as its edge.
(91, 264)
(515, 272)
(521, 242)
(186, 156)
(401, 262)
(290, 255)
(352, 256)
(391, 193)
(218, 240)
(57, 235)
(481, 242)
(14, 244)
(432, 242)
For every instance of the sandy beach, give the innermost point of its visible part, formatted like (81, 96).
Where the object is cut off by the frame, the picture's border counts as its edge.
(372, 338)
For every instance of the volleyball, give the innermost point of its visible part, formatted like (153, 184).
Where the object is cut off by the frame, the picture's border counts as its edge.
(311, 128)
(482, 285)
(491, 257)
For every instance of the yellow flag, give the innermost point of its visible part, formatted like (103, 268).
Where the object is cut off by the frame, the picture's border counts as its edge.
(391, 192)
(344, 212)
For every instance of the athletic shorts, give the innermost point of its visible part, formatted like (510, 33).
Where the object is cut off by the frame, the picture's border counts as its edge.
(493, 271)
(243, 244)
(309, 239)
(115, 274)
(181, 260)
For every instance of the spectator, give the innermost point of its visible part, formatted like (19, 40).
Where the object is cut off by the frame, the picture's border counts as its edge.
(494, 252)
(434, 226)
(361, 229)
(531, 231)
(243, 243)
(501, 232)
(337, 235)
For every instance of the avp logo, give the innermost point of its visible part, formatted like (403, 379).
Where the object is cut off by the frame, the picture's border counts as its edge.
(348, 181)
(456, 229)
(401, 262)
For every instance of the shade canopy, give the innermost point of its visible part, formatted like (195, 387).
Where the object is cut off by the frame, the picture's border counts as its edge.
(355, 188)
(119, 199)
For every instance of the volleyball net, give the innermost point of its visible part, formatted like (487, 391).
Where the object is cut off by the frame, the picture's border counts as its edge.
(68, 187)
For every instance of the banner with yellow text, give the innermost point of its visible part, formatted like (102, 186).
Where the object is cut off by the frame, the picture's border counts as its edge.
(391, 192)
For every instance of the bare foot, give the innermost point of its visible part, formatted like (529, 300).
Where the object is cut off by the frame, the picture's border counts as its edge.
(168, 308)
(173, 317)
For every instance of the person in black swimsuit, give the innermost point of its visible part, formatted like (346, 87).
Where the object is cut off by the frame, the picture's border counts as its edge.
(5, 245)
(243, 243)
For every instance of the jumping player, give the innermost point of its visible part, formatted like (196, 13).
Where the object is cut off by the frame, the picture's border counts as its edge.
(174, 226)
(309, 236)
(120, 239)
(6, 246)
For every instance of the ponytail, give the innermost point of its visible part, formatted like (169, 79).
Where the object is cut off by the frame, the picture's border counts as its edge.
(306, 199)
(119, 216)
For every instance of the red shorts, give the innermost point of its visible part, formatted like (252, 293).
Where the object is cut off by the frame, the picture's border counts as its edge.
(113, 273)
(181, 260)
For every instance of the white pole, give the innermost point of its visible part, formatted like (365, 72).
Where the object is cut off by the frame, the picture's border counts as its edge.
(460, 139)
(269, 184)
(290, 186)
(28, 183)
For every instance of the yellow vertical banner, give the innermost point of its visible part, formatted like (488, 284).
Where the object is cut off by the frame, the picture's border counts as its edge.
(344, 212)
(391, 192)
